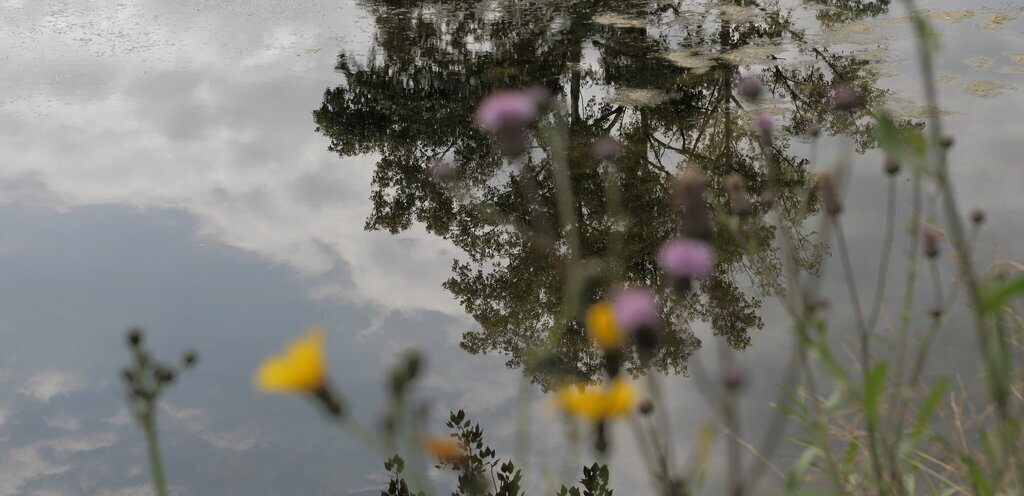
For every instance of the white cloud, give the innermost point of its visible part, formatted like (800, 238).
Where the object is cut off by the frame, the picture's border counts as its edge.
(63, 421)
(51, 383)
(170, 118)
(23, 464)
(195, 422)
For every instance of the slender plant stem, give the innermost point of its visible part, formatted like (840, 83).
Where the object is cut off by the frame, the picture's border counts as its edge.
(883, 265)
(156, 467)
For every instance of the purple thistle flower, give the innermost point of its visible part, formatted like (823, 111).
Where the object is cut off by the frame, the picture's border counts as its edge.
(686, 258)
(635, 309)
(505, 110)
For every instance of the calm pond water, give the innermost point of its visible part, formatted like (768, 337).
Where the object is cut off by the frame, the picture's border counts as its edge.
(227, 173)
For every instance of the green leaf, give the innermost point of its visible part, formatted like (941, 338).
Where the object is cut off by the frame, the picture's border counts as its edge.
(874, 386)
(977, 478)
(928, 406)
(995, 295)
(889, 137)
(800, 467)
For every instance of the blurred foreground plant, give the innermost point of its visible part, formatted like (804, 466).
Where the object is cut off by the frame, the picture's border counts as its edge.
(145, 381)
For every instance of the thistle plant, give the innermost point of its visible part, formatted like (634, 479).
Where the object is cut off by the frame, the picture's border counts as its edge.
(145, 382)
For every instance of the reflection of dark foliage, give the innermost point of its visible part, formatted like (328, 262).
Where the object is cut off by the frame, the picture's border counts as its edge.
(843, 11)
(482, 473)
(411, 102)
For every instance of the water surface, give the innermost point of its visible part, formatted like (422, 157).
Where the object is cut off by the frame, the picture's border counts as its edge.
(204, 170)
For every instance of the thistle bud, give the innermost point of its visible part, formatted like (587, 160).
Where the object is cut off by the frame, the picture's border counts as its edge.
(930, 241)
(892, 166)
(978, 216)
(765, 125)
(767, 199)
(189, 358)
(134, 337)
(163, 373)
(829, 195)
(750, 87)
(733, 378)
(736, 187)
(689, 198)
(646, 407)
(606, 148)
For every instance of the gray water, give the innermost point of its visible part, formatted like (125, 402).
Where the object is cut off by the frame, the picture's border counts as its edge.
(160, 166)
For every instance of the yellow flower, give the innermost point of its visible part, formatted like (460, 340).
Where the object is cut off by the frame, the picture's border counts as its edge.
(299, 369)
(446, 449)
(601, 326)
(598, 403)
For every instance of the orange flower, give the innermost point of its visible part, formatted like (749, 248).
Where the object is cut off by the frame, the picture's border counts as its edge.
(446, 449)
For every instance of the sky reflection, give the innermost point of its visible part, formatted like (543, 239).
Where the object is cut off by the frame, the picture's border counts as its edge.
(160, 168)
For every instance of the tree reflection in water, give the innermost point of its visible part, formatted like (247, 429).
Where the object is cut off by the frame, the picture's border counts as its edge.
(657, 77)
